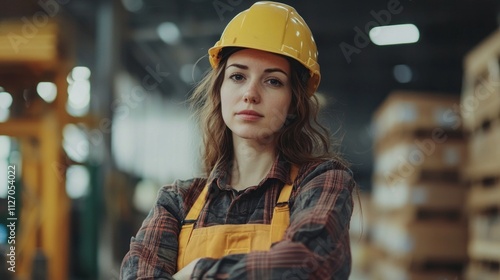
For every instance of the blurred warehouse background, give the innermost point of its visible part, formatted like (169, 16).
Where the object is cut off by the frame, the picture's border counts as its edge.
(94, 119)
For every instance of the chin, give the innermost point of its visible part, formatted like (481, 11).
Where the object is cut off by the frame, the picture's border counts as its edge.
(264, 137)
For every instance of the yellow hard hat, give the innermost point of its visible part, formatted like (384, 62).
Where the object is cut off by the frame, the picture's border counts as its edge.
(273, 27)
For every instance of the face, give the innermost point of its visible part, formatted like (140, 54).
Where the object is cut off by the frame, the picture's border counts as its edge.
(255, 94)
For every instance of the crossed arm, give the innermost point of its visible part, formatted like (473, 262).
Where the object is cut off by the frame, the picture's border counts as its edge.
(315, 246)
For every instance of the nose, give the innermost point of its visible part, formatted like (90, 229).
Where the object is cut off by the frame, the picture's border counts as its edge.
(252, 94)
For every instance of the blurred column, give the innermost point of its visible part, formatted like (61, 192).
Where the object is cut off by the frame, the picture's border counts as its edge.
(108, 46)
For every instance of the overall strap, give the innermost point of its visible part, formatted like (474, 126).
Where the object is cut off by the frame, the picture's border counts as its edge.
(281, 213)
(188, 224)
(194, 212)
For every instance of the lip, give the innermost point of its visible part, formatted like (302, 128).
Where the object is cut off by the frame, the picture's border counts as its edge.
(249, 112)
(249, 115)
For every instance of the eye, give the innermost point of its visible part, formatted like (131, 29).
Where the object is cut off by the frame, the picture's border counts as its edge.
(236, 77)
(274, 82)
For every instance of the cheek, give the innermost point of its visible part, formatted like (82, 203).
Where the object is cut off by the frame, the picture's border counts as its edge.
(279, 113)
(285, 104)
(226, 106)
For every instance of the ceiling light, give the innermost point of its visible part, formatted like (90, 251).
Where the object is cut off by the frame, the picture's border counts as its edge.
(169, 32)
(79, 94)
(78, 91)
(47, 91)
(133, 5)
(80, 73)
(5, 147)
(77, 181)
(394, 34)
(75, 143)
(5, 100)
(402, 73)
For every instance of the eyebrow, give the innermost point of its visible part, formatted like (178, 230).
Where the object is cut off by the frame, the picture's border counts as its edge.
(269, 70)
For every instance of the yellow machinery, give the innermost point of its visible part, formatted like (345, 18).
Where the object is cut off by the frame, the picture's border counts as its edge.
(31, 52)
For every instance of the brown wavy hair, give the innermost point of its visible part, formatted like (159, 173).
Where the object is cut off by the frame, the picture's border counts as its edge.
(302, 139)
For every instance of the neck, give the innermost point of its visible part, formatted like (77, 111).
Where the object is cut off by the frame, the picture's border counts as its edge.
(251, 163)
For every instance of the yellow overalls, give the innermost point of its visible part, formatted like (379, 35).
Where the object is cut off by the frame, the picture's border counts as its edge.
(221, 240)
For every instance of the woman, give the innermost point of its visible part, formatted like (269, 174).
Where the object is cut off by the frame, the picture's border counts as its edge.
(276, 204)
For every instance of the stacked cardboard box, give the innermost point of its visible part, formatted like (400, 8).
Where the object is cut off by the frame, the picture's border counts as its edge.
(480, 108)
(419, 230)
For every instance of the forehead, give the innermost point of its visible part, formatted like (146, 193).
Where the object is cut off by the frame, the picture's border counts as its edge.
(258, 58)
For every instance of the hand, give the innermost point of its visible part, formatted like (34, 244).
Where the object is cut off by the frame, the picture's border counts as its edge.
(185, 273)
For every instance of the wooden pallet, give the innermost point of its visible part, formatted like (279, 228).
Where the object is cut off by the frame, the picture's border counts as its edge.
(484, 193)
(421, 241)
(416, 110)
(421, 154)
(361, 218)
(484, 152)
(421, 198)
(485, 226)
(407, 174)
(480, 99)
(482, 105)
(484, 242)
(361, 253)
(482, 270)
(386, 268)
(484, 249)
(406, 134)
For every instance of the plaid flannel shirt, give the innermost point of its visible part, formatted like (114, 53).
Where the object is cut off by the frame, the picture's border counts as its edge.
(315, 245)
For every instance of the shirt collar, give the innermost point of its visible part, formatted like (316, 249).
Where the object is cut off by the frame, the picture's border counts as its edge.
(280, 170)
